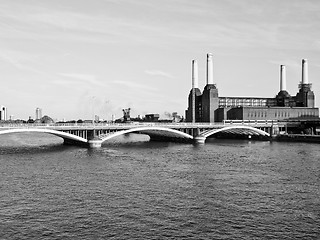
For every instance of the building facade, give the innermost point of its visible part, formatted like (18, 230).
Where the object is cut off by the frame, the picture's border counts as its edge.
(3, 113)
(207, 106)
(38, 113)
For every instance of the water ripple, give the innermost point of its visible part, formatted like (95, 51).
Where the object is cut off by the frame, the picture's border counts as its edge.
(145, 190)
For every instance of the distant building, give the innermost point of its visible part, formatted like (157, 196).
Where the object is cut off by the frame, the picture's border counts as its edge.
(38, 113)
(176, 117)
(126, 114)
(30, 120)
(46, 119)
(209, 107)
(152, 117)
(3, 113)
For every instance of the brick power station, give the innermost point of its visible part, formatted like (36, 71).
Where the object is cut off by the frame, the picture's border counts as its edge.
(209, 107)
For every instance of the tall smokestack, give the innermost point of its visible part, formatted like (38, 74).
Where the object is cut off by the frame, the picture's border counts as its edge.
(194, 86)
(195, 81)
(305, 71)
(209, 69)
(283, 80)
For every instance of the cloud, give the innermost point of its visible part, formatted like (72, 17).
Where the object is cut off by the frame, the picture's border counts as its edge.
(76, 77)
(134, 85)
(23, 61)
(158, 73)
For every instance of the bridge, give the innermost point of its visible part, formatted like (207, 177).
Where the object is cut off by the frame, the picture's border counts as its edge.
(93, 135)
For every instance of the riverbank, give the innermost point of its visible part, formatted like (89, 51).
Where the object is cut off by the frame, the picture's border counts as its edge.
(297, 138)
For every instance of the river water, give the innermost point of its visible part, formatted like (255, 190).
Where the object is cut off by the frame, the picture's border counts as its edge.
(135, 189)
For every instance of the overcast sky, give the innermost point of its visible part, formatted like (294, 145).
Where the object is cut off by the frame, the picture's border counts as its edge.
(76, 58)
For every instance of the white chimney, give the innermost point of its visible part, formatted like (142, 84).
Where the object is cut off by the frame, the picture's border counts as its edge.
(209, 68)
(195, 80)
(283, 80)
(305, 71)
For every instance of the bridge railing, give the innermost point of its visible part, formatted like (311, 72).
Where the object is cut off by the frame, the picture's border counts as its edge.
(43, 125)
(133, 124)
(251, 121)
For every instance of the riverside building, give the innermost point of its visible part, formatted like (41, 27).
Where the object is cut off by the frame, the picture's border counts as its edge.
(3, 113)
(207, 106)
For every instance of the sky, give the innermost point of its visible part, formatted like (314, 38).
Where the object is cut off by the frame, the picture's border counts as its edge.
(78, 58)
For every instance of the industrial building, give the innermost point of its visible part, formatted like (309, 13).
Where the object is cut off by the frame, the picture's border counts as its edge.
(207, 106)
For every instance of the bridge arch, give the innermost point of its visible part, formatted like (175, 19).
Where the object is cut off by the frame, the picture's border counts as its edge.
(146, 130)
(63, 135)
(214, 131)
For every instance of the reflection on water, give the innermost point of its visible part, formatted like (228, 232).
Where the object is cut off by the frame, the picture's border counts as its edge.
(135, 189)
(131, 138)
(29, 143)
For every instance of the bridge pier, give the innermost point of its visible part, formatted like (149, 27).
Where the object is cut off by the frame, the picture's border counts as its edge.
(199, 140)
(95, 143)
(93, 140)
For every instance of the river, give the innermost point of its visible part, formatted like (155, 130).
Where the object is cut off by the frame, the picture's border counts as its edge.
(135, 189)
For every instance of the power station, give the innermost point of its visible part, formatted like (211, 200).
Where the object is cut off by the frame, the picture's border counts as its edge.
(209, 107)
